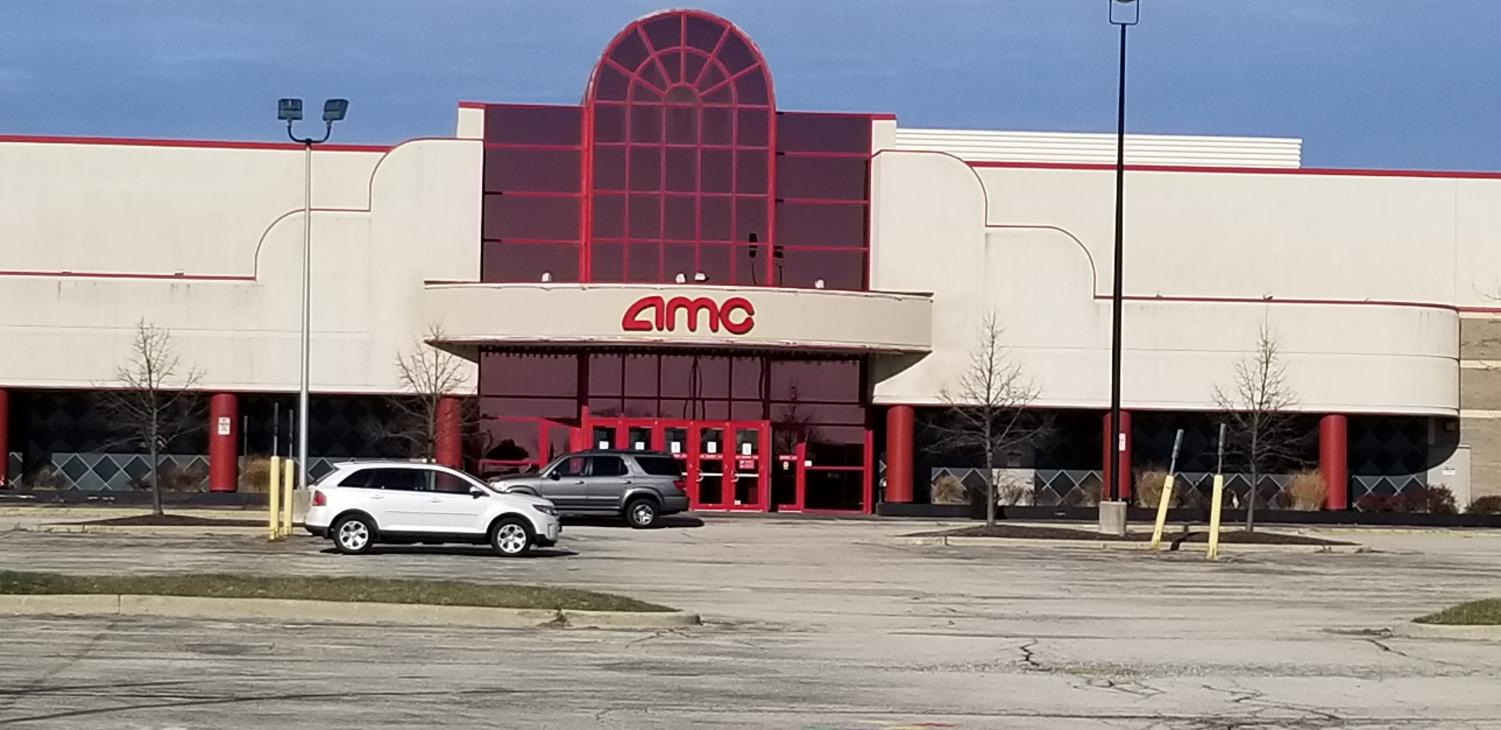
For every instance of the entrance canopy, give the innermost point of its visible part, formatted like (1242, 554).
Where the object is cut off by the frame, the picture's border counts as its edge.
(477, 316)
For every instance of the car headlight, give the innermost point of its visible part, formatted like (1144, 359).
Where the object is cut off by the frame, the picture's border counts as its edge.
(545, 509)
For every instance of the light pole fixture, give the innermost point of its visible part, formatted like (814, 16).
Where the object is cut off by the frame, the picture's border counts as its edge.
(1123, 13)
(289, 111)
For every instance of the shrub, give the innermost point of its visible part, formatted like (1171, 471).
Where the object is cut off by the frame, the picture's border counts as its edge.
(1306, 491)
(949, 490)
(1435, 499)
(178, 478)
(255, 475)
(1486, 505)
(1149, 483)
(1378, 503)
(45, 476)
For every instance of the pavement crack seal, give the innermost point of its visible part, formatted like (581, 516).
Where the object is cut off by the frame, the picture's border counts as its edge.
(1259, 704)
(1135, 689)
(656, 635)
(1029, 657)
(1387, 649)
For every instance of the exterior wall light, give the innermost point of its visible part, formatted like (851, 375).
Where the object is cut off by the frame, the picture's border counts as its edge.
(680, 278)
(546, 277)
(700, 277)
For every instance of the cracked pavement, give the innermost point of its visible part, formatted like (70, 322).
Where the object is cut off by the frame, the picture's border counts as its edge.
(821, 624)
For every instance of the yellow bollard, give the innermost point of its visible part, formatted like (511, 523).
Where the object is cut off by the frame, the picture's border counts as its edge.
(1167, 497)
(288, 483)
(1215, 504)
(273, 499)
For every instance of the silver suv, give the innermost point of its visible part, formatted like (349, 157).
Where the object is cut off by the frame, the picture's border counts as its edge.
(637, 485)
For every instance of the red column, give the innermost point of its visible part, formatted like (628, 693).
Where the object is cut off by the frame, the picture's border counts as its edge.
(223, 442)
(449, 447)
(4, 438)
(899, 454)
(1123, 460)
(1334, 454)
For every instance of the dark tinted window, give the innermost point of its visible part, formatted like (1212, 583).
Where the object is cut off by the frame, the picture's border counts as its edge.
(359, 478)
(573, 467)
(442, 481)
(606, 466)
(660, 466)
(401, 480)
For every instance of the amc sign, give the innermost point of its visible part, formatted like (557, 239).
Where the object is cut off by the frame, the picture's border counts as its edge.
(734, 315)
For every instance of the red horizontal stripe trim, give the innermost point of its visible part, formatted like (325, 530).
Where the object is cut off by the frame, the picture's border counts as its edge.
(678, 146)
(124, 275)
(677, 194)
(1328, 171)
(1280, 300)
(194, 143)
(721, 244)
(522, 105)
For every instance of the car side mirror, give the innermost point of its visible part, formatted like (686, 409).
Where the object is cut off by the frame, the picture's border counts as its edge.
(554, 475)
(476, 493)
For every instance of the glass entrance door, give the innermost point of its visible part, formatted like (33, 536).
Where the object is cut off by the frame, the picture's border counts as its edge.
(726, 464)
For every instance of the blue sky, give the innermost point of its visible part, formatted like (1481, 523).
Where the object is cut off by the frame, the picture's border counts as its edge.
(1365, 83)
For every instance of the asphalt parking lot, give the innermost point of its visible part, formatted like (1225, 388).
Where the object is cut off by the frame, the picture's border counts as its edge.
(810, 624)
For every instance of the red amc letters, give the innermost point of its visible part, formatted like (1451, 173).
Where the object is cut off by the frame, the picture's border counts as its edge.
(735, 315)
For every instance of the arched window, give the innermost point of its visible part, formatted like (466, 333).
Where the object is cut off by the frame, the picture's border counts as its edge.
(680, 132)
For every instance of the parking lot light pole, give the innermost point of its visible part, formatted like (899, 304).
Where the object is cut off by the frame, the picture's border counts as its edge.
(1123, 13)
(289, 111)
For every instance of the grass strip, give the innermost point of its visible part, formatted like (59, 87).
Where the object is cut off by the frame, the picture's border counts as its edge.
(1485, 612)
(321, 588)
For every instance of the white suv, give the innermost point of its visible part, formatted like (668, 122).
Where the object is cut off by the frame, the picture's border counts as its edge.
(359, 504)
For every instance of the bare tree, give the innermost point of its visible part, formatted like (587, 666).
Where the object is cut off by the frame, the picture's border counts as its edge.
(1258, 409)
(427, 376)
(151, 405)
(988, 407)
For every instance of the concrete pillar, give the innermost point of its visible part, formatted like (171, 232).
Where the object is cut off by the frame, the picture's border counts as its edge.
(899, 441)
(1334, 455)
(1123, 457)
(449, 449)
(223, 442)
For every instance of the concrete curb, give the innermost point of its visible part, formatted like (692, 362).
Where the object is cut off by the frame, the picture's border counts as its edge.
(1225, 548)
(60, 513)
(1413, 630)
(144, 530)
(289, 610)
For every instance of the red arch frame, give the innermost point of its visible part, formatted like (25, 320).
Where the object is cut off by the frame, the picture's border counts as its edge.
(647, 84)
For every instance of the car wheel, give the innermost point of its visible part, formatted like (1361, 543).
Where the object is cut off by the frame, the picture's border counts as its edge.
(354, 535)
(641, 513)
(511, 537)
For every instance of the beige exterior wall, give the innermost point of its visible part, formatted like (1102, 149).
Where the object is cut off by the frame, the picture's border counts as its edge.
(384, 222)
(1034, 246)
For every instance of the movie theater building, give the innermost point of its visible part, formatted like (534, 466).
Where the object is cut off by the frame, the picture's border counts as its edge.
(782, 298)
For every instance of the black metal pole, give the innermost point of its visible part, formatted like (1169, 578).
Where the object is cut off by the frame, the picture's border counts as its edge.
(1112, 479)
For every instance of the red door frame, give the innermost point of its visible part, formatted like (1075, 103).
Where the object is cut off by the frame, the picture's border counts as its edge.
(620, 429)
(762, 465)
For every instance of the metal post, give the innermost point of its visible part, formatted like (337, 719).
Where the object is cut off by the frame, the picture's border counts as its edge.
(307, 310)
(1115, 294)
